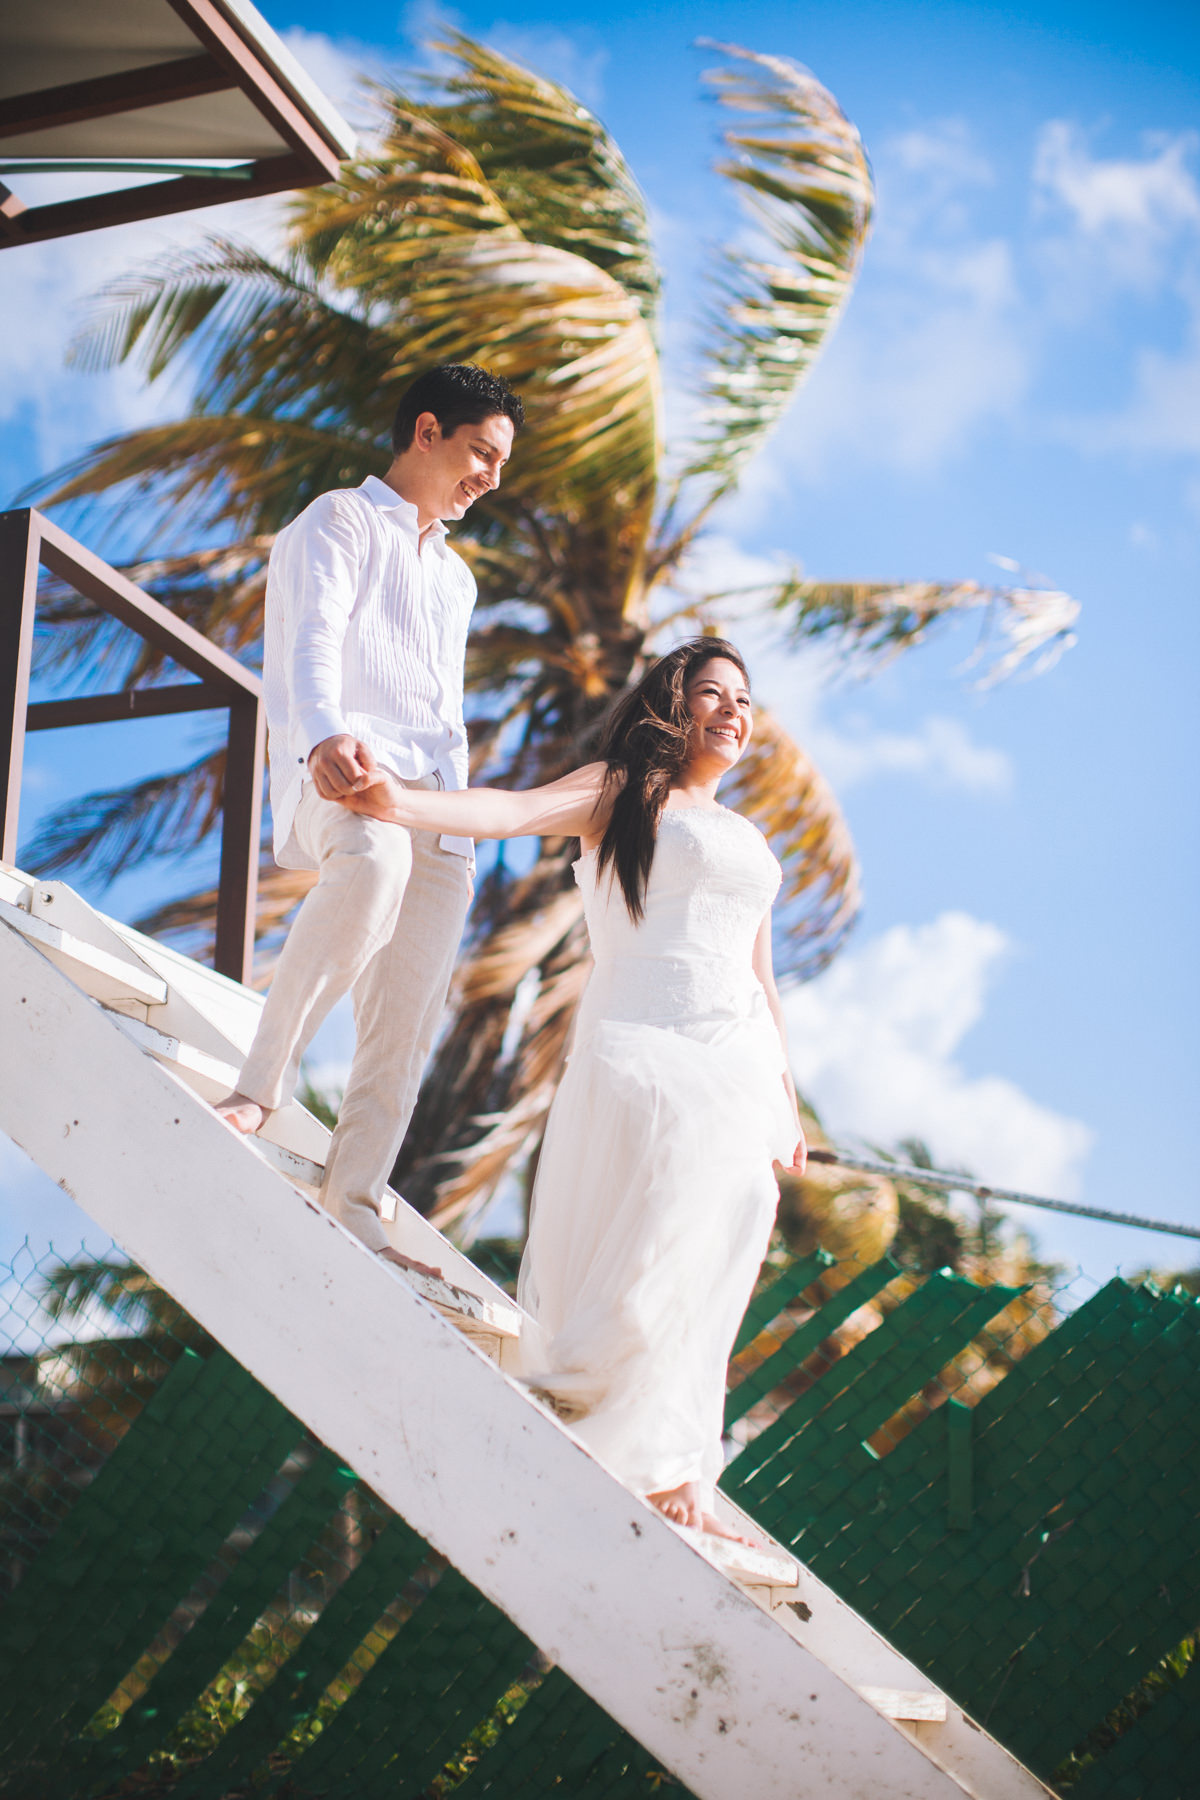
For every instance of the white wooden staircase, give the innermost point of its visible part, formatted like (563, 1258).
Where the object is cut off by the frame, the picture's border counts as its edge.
(740, 1670)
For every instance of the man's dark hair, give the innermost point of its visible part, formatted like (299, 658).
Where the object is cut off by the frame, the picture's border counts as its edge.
(456, 394)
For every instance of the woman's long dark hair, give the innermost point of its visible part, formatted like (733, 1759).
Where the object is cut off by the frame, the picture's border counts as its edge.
(644, 741)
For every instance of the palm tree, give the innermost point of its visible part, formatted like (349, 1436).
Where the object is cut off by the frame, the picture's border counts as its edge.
(495, 220)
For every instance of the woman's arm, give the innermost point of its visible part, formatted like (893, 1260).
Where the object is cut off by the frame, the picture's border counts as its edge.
(764, 968)
(570, 807)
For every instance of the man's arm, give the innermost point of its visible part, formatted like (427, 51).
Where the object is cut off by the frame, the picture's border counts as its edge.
(323, 555)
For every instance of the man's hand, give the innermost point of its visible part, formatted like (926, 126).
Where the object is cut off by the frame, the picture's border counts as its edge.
(341, 765)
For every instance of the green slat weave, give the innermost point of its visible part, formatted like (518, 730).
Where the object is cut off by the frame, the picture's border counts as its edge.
(113, 1562)
(862, 1390)
(805, 1340)
(440, 1675)
(1157, 1756)
(952, 1601)
(388, 1564)
(908, 1349)
(226, 1621)
(562, 1746)
(771, 1302)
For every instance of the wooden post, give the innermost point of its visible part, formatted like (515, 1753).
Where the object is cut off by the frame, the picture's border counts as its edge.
(27, 540)
(18, 596)
(241, 830)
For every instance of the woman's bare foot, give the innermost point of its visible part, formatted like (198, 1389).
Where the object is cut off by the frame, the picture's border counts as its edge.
(682, 1506)
(713, 1526)
(409, 1262)
(245, 1115)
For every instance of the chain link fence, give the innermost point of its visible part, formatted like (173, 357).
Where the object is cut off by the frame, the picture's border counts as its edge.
(992, 1459)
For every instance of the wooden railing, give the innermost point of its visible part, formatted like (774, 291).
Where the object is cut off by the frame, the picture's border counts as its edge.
(29, 541)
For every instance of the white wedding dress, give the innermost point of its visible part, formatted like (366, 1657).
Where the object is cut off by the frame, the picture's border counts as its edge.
(655, 1195)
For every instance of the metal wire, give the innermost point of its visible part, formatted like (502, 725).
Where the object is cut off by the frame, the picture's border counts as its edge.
(962, 1184)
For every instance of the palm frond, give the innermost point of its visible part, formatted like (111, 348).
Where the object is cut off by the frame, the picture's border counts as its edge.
(108, 832)
(1022, 628)
(524, 928)
(551, 163)
(257, 472)
(806, 183)
(534, 1074)
(778, 786)
(572, 342)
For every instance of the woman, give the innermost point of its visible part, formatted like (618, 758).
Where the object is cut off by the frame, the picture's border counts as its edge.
(655, 1193)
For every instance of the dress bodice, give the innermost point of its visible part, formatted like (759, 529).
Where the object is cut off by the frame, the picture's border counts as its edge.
(688, 958)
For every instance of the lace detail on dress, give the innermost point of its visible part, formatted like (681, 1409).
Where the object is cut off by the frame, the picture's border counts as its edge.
(711, 884)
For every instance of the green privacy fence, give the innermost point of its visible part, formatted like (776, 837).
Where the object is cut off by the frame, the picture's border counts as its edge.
(1036, 1552)
(205, 1603)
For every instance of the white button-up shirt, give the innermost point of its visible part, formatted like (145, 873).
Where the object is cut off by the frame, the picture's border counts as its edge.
(366, 632)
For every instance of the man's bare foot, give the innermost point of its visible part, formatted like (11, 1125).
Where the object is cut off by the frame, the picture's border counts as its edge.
(246, 1116)
(409, 1262)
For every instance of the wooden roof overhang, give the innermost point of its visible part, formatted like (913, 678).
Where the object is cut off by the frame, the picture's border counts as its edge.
(200, 92)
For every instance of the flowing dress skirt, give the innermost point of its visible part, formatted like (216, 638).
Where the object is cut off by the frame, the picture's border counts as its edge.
(652, 1211)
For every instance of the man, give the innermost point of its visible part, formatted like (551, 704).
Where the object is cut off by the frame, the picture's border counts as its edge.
(367, 612)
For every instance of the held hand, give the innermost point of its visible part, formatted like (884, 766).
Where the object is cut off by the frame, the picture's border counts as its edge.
(340, 766)
(376, 797)
(799, 1160)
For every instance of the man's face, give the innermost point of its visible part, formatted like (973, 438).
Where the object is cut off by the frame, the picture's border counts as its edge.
(464, 465)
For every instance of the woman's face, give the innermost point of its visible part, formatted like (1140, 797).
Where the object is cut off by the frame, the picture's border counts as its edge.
(719, 701)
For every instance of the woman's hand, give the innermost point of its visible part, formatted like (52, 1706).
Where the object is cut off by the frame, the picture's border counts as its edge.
(799, 1160)
(378, 799)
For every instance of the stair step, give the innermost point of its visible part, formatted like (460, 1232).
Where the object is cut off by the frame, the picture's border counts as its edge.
(920, 1707)
(206, 1075)
(479, 1315)
(768, 1567)
(107, 978)
(300, 1169)
(474, 1314)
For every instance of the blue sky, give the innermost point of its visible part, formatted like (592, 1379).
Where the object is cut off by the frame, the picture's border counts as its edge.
(1017, 372)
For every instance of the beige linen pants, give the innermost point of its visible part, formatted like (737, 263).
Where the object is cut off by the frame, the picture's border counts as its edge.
(384, 921)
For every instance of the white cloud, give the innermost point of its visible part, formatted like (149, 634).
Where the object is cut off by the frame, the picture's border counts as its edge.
(940, 751)
(47, 293)
(1112, 227)
(1138, 200)
(1126, 226)
(1163, 414)
(874, 1044)
(338, 66)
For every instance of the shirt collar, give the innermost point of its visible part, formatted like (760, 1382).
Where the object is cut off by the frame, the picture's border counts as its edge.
(388, 500)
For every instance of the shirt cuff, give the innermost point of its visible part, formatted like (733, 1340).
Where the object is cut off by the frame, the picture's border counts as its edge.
(316, 724)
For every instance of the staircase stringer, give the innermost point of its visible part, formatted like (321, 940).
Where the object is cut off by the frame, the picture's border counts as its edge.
(680, 1656)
